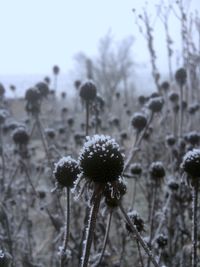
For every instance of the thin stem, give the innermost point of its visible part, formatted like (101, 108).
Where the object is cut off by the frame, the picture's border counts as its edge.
(137, 144)
(87, 118)
(67, 227)
(91, 227)
(194, 232)
(138, 236)
(2, 180)
(181, 111)
(134, 193)
(140, 254)
(105, 239)
(152, 219)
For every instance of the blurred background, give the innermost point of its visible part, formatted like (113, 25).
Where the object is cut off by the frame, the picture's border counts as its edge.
(36, 35)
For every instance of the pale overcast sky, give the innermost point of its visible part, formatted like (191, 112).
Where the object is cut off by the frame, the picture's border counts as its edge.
(36, 34)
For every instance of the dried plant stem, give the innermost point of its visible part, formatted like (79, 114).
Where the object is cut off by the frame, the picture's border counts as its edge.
(134, 193)
(165, 209)
(87, 118)
(194, 223)
(138, 237)
(137, 144)
(105, 239)
(140, 254)
(96, 198)
(181, 111)
(152, 219)
(67, 227)
(2, 179)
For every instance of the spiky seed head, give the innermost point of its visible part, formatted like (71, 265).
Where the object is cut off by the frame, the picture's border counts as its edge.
(42, 88)
(88, 91)
(56, 70)
(66, 171)
(155, 104)
(191, 163)
(136, 169)
(181, 76)
(20, 136)
(157, 170)
(101, 160)
(139, 121)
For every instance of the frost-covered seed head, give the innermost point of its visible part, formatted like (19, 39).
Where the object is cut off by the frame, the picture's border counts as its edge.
(165, 86)
(157, 170)
(162, 241)
(66, 171)
(193, 138)
(101, 160)
(136, 169)
(191, 163)
(56, 70)
(43, 88)
(88, 91)
(170, 140)
(174, 97)
(113, 193)
(155, 104)
(181, 76)
(139, 121)
(173, 185)
(50, 133)
(137, 221)
(20, 136)
(32, 95)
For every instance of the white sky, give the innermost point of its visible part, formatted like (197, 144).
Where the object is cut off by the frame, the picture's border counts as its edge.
(36, 34)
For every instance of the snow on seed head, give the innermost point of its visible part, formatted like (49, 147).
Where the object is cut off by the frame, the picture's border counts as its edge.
(100, 159)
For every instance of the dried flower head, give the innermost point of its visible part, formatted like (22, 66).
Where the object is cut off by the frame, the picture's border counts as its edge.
(155, 104)
(66, 171)
(88, 91)
(101, 160)
(157, 170)
(181, 76)
(191, 163)
(20, 136)
(139, 121)
(136, 169)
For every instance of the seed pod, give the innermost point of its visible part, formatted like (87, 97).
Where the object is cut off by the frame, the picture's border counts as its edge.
(181, 76)
(155, 104)
(137, 221)
(162, 241)
(113, 193)
(66, 171)
(88, 91)
(165, 86)
(20, 136)
(174, 97)
(136, 169)
(191, 163)
(157, 171)
(42, 88)
(170, 140)
(101, 160)
(56, 70)
(139, 121)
